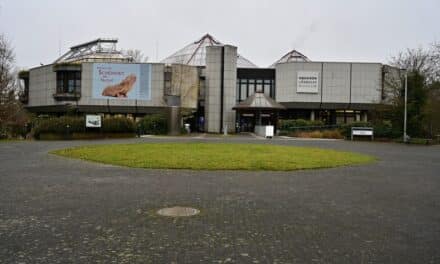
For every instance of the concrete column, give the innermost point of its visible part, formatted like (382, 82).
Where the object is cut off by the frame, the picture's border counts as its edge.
(312, 115)
(221, 70)
(174, 120)
(230, 87)
(365, 117)
(212, 89)
(358, 117)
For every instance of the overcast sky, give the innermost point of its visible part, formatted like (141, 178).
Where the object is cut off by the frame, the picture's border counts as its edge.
(337, 30)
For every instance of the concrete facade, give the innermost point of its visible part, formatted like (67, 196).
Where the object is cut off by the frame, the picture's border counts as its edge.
(339, 83)
(343, 91)
(42, 86)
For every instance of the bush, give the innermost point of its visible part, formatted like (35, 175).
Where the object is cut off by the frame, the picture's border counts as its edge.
(292, 124)
(59, 125)
(3, 133)
(17, 130)
(334, 134)
(315, 134)
(383, 129)
(153, 124)
(118, 125)
(421, 141)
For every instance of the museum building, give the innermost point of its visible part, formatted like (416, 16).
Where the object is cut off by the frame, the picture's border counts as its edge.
(208, 83)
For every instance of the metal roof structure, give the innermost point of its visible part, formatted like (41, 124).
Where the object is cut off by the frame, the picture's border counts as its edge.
(291, 56)
(194, 54)
(100, 49)
(259, 101)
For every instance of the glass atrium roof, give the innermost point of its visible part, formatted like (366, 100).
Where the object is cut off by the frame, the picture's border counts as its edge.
(97, 50)
(291, 56)
(195, 53)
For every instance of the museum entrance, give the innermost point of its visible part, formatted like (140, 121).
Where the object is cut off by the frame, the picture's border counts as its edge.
(257, 110)
(246, 121)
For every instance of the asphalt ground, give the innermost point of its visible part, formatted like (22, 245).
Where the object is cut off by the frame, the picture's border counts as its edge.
(59, 210)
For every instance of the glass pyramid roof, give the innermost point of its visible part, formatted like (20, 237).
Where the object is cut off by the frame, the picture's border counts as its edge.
(101, 49)
(291, 56)
(194, 54)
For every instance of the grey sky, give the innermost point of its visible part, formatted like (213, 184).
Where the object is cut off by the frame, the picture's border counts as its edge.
(370, 30)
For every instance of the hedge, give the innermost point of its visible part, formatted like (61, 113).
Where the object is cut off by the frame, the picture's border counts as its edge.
(85, 135)
(118, 125)
(333, 134)
(293, 124)
(156, 124)
(66, 126)
(59, 125)
(382, 129)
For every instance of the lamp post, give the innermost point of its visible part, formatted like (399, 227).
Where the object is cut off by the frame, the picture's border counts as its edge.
(405, 136)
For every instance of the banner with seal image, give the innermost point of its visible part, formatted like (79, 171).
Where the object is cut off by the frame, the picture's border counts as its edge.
(121, 81)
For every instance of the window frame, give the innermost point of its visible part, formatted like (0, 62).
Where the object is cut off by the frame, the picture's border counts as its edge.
(68, 82)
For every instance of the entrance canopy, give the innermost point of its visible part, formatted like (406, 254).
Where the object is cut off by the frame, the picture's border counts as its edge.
(259, 101)
(258, 109)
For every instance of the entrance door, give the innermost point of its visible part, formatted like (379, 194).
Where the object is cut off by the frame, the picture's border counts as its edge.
(247, 122)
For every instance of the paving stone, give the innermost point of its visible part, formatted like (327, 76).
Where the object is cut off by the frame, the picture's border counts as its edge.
(58, 210)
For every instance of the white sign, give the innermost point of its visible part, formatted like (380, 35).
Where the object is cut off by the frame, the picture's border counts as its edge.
(93, 121)
(269, 131)
(307, 82)
(362, 132)
(264, 131)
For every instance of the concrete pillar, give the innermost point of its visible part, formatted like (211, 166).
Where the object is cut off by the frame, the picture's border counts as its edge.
(221, 79)
(230, 87)
(358, 117)
(312, 115)
(174, 120)
(212, 88)
(364, 117)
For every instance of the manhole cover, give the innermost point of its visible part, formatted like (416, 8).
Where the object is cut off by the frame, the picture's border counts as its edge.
(178, 211)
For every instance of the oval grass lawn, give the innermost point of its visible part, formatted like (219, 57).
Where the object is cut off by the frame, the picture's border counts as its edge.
(215, 156)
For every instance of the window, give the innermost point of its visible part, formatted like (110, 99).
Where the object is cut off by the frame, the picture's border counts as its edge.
(243, 91)
(24, 85)
(251, 87)
(259, 86)
(247, 87)
(167, 81)
(68, 82)
(237, 93)
(268, 87)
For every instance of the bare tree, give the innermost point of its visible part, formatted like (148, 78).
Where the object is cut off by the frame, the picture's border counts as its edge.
(12, 115)
(136, 55)
(7, 60)
(423, 67)
(420, 60)
(436, 60)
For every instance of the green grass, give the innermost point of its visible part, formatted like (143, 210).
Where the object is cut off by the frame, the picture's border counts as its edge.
(209, 156)
(7, 140)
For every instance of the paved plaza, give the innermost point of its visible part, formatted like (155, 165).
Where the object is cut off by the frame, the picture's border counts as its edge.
(59, 210)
